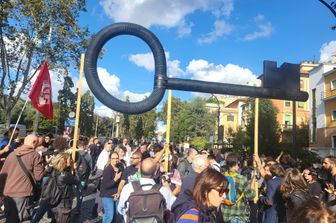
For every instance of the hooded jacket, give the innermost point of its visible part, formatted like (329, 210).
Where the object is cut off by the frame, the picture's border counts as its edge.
(17, 184)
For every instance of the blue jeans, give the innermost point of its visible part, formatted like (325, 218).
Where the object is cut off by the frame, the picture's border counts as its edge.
(109, 207)
(44, 207)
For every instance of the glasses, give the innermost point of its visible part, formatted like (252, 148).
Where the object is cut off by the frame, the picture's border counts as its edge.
(221, 191)
(134, 158)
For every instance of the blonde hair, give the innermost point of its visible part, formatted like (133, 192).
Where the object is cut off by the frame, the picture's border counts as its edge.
(59, 162)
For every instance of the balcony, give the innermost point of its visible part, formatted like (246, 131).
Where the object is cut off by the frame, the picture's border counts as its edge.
(286, 127)
(328, 95)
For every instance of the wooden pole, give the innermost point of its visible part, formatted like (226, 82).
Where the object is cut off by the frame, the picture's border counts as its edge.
(256, 133)
(79, 96)
(168, 130)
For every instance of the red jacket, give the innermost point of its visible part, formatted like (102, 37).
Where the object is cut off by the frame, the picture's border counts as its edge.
(17, 183)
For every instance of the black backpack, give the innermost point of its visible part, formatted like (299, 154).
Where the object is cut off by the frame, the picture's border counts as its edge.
(146, 206)
(84, 169)
(51, 192)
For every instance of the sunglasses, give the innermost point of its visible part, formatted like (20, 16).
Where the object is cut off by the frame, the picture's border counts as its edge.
(221, 191)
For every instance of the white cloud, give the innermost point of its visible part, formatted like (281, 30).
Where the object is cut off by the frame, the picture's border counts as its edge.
(134, 97)
(104, 111)
(265, 29)
(146, 61)
(328, 52)
(164, 13)
(233, 74)
(221, 28)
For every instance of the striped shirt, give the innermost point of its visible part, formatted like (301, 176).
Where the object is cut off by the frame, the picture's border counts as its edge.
(190, 216)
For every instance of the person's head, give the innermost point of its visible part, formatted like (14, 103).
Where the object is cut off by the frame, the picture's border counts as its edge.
(277, 170)
(211, 158)
(200, 163)
(108, 147)
(267, 171)
(60, 161)
(31, 140)
(329, 163)
(191, 153)
(293, 181)
(148, 168)
(47, 139)
(80, 145)
(121, 150)
(232, 160)
(60, 143)
(114, 159)
(215, 151)
(309, 175)
(313, 211)
(96, 141)
(10, 132)
(136, 158)
(143, 148)
(210, 188)
(125, 142)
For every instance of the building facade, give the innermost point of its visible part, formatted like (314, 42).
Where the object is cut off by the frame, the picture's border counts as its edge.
(323, 109)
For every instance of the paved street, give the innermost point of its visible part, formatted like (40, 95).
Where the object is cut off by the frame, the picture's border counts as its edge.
(87, 205)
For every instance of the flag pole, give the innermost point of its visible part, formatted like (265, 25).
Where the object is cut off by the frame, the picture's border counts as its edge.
(168, 130)
(256, 142)
(79, 95)
(23, 108)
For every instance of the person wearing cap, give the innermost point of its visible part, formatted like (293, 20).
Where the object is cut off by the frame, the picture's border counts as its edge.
(314, 187)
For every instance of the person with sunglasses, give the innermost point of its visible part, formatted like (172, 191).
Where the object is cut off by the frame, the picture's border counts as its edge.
(201, 204)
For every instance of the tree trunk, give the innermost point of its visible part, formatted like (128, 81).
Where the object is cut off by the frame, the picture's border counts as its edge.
(7, 119)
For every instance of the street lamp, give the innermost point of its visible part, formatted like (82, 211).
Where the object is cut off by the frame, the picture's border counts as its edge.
(219, 126)
(117, 121)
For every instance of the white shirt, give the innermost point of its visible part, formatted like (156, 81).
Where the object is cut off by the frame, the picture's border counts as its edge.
(102, 159)
(128, 189)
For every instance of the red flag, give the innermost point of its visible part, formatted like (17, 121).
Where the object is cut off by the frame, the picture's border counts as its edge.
(40, 94)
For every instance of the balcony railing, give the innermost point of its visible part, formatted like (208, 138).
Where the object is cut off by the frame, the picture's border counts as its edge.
(286, 126)
(328, 95)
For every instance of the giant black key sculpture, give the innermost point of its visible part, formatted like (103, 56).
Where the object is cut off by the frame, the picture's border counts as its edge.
(278, 83)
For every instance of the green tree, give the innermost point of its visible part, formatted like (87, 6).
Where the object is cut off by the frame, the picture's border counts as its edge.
(67, 102)
(268, 127)
(139, 131)
(33, 31)
(86, 122)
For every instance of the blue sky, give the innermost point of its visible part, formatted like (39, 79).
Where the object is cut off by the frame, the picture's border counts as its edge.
(217, 40)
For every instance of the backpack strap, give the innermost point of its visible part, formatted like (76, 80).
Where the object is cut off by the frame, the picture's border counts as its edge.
(28, 174)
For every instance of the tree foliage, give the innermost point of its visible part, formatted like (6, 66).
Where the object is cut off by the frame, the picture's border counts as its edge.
(86, 122)
(268, 127)
(33, 31)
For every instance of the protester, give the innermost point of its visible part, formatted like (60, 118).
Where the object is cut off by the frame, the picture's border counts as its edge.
(213, 163)
(274, 208)
(238, 211)
(294, 190)
(109, 187)
(200, 203)
(18, 189)
(185, 165)
(314, 187)
(59, 196)
(5, 149)
(199, 163)
(148, 168)
(313, 211)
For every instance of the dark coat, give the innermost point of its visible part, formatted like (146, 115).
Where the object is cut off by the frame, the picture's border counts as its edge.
(274, 211)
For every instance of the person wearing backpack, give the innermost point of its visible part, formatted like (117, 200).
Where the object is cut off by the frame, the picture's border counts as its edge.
(57, 191)
(184, 166)
(294, 190)
(200, 204)
(235, 206)
(144, 200)
(83, 162)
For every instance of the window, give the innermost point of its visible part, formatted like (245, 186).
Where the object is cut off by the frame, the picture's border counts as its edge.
(230, 118)
(300, 104)
(287, 103)
(333, 115)
(333, 138)
(333, 84)
(288, 120)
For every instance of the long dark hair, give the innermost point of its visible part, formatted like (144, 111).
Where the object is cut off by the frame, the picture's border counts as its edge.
(293, 181)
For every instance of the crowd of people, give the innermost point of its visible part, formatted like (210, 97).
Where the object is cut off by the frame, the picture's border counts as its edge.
(41, 176)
